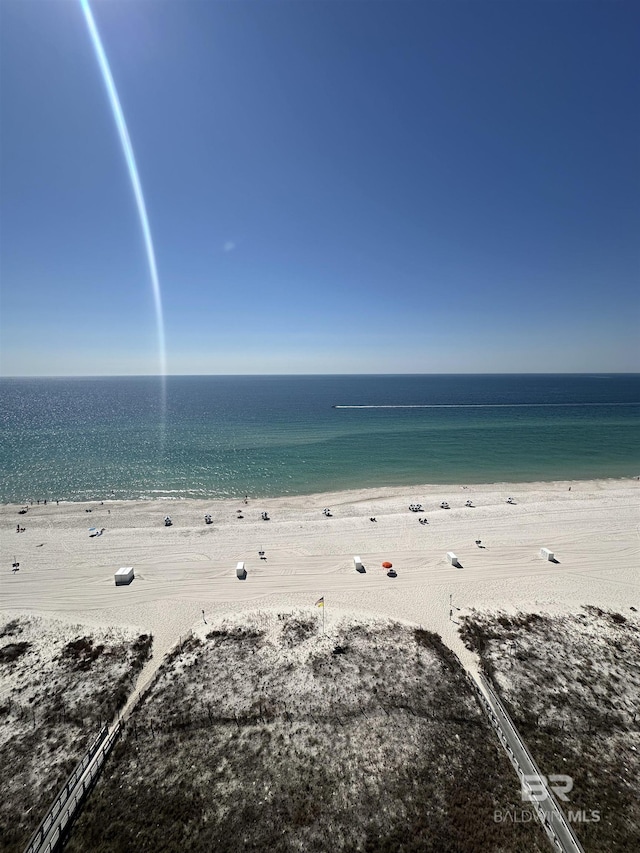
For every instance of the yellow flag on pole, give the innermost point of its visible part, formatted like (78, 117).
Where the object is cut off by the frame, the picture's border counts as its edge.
(320, 602)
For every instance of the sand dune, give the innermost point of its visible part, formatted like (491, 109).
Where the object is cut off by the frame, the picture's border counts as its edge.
(180, 571)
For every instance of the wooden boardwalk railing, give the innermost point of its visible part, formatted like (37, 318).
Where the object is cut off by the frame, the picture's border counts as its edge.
(51, 831)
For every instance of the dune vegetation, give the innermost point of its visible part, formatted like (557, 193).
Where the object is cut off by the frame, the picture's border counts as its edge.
(572, 686)
(59, 684)
(264, 733)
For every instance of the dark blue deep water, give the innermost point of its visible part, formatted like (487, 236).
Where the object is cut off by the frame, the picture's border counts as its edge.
(217, 436)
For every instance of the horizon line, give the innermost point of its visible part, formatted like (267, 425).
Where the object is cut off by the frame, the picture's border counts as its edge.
(302, 375)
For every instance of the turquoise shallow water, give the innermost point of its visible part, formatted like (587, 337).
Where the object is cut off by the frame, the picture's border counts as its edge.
(81, 439)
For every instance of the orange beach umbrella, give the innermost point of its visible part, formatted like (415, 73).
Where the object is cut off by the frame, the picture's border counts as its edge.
(386, 565)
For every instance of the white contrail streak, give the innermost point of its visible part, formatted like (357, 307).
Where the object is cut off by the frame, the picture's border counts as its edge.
(127, 149)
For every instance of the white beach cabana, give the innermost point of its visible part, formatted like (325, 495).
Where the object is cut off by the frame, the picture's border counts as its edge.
(357, 564)
(451, 557)
(546, 554)
(124, 576)
(241, 572)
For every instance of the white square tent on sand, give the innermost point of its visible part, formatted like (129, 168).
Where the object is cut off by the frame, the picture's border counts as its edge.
(357, 563)
(241, 572)
(451, 557)
(124, 576)
(546, 554)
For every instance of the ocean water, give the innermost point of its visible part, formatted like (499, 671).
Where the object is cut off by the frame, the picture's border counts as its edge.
(225, 436)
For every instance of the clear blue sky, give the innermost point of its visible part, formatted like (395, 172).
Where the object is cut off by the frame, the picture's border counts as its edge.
(332, 187)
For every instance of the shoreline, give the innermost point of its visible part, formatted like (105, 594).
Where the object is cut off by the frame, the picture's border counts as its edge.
(335, 493)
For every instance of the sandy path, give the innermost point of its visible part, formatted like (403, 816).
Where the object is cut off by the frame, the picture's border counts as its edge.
(181, 570)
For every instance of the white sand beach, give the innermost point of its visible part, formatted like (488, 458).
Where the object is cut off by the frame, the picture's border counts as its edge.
(592, 527)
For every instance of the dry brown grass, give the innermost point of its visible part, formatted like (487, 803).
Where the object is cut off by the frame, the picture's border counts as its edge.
(263, 734)
(572, 685)
(59, 683)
